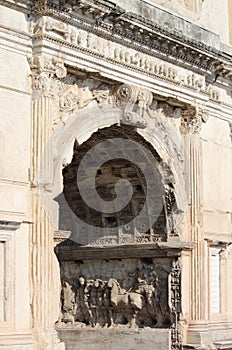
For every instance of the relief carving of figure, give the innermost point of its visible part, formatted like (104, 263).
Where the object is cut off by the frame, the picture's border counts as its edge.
(145, 296)
(73, 97)
(120, 298)
(84, 304)
(68, 303)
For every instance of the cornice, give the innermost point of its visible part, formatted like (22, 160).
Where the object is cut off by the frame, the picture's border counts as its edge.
(107, 19)
(20, 5)
(9, 225)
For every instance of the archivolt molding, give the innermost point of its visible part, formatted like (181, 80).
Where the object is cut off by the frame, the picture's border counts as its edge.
(152, 118)
(137, 106)
(81, 105)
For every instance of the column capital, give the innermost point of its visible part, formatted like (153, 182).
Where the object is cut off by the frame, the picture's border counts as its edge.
(192, 119)
(43, 70)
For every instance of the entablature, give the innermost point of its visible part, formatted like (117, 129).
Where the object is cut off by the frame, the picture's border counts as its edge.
(173, 39)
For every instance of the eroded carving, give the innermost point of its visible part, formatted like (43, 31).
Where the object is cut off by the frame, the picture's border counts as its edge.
(44, 69)
(138, 298)
(74, 97)
(45, 24)
(135, 103)
(192, 119)
(175, 304)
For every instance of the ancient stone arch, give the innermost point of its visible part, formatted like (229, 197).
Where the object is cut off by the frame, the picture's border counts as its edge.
(162, 137)
(88, 297)
(75, 107)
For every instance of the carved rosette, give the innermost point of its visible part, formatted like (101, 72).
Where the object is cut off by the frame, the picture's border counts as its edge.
(127, 94)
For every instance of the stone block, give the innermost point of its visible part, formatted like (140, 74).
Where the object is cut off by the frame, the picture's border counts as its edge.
(103, 339)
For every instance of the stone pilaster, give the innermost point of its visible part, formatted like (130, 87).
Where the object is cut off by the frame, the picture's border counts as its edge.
(192, 122)
(43, 282)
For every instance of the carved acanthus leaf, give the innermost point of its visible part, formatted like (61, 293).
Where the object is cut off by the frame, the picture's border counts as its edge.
(44, 69)
(192, 119)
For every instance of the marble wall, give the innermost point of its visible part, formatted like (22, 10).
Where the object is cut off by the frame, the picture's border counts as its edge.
(70, 70)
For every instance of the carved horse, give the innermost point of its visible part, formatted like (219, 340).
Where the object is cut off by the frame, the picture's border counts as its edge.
(120, 298)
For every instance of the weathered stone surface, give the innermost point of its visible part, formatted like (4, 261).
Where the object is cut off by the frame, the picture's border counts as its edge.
(74, 73)
(115, 339)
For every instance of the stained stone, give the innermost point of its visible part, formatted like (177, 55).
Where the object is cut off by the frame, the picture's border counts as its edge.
(139, 253)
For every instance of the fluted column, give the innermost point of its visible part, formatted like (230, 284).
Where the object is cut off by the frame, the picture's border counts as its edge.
(42, 256)
(192, 122)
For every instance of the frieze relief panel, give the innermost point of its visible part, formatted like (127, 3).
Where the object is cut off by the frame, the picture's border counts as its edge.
(120, 293)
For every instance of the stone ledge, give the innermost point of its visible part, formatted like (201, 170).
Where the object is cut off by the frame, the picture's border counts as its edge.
(102, 339)
(120, 251)
(9, 225)
(226, 345)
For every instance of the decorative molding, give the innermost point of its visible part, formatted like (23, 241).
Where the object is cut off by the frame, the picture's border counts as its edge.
(114, 23)
(9, 225)
(98, 46)
(21, 5)
(123, 239)
(175, 305)
(60, 236)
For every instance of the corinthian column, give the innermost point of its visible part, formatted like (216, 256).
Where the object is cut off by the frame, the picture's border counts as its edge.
(44, 72)
(192, 122)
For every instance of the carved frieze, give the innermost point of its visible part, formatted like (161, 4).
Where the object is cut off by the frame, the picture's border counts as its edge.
(128, 293)
(138, 31)
(127, 239)
(46, 24)
(92, 43)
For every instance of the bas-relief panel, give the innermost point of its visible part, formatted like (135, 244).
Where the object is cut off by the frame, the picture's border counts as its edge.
(120, 292)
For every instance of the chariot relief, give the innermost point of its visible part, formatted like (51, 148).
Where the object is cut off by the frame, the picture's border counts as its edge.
(138, 298)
